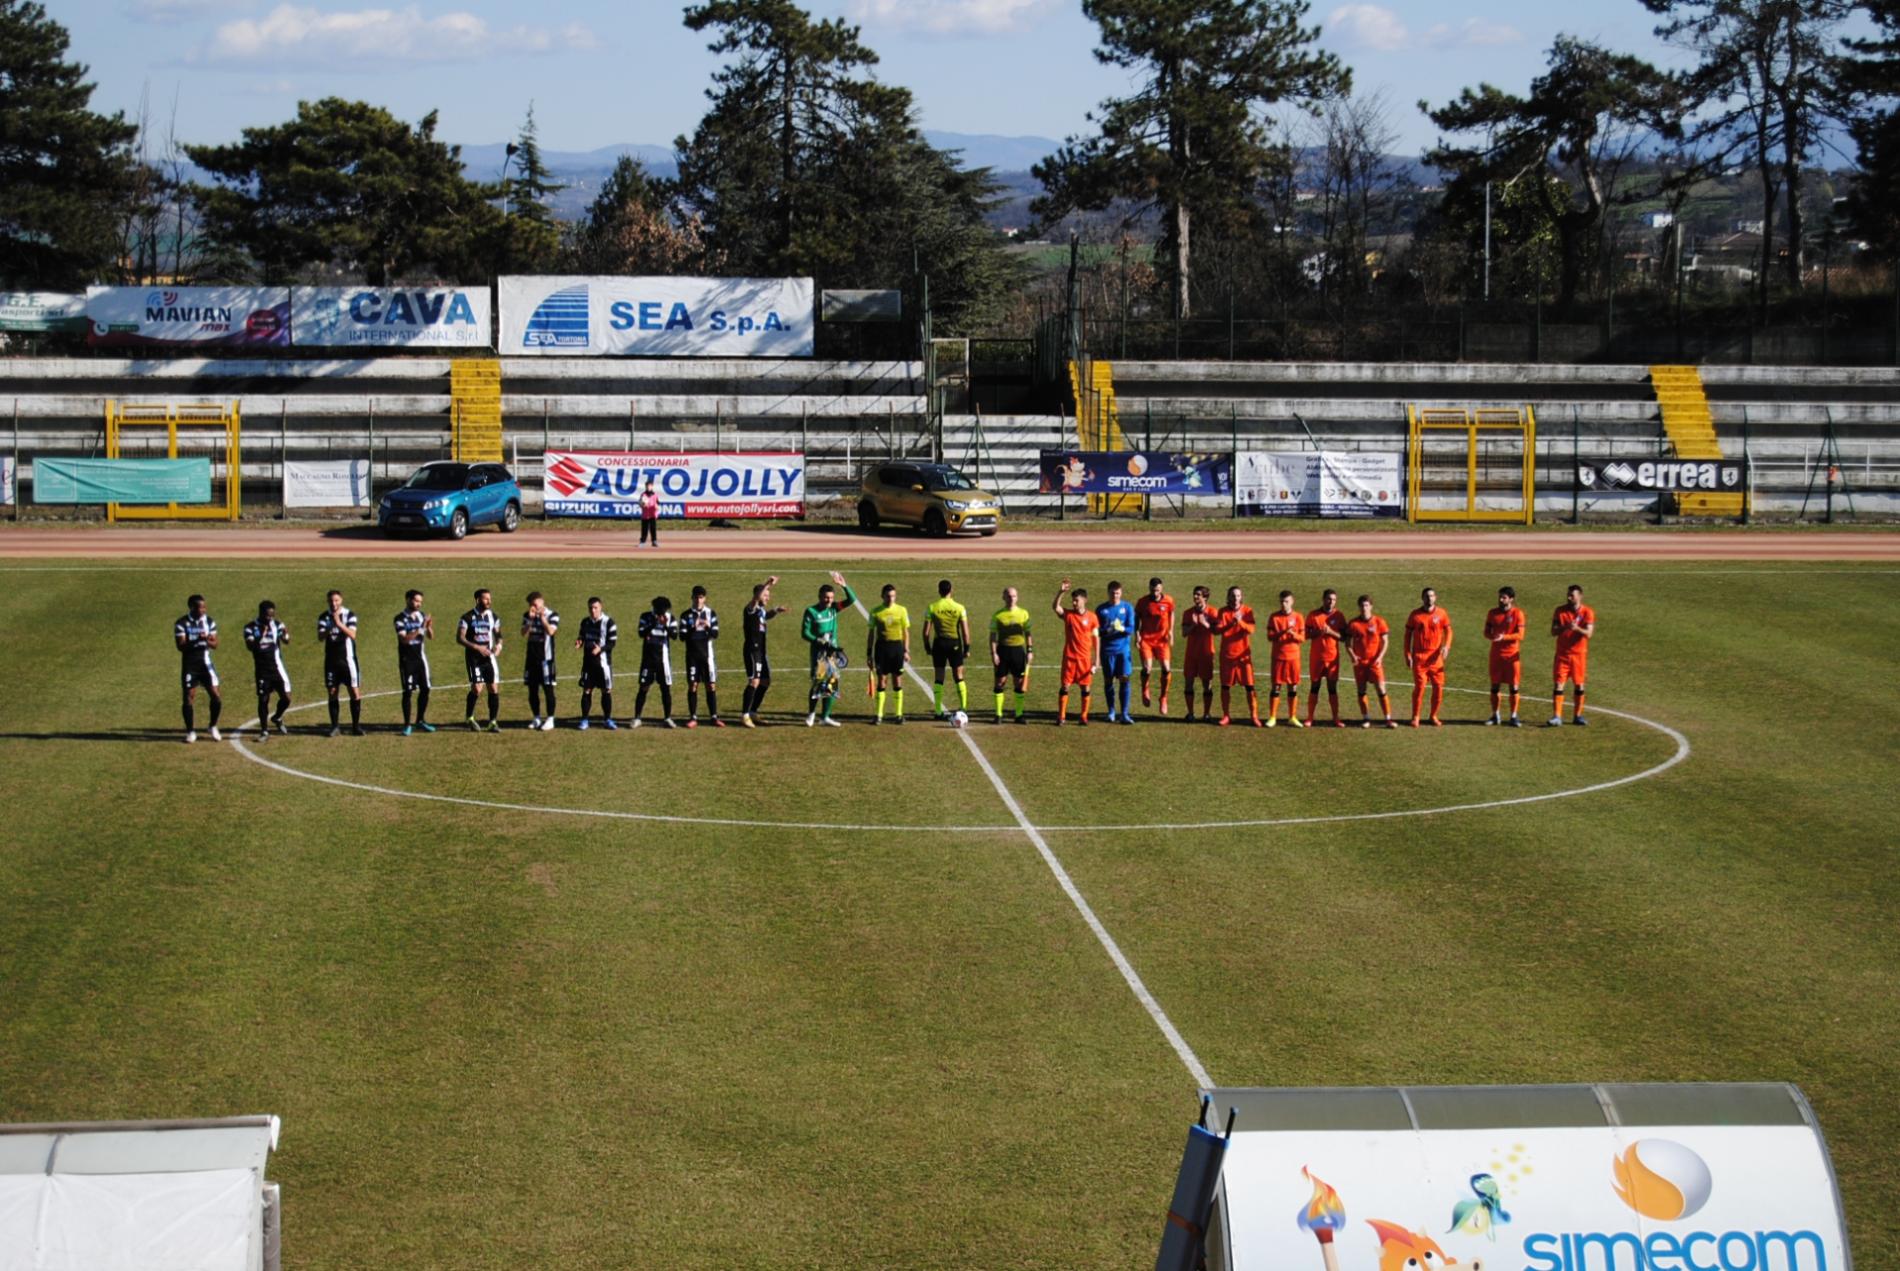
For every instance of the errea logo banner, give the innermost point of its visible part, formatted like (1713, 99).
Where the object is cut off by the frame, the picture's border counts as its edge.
(391, 317)
(656, 317)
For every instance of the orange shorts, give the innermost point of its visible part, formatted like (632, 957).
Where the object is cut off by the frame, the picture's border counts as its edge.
(1507, 668)
(1200, 666)
(1433, 674)
(1323, 668)
(1237, 673)
(1364, 673)
(1155, 649)
(1286, 671)
(1572, 668)
(1076, 671)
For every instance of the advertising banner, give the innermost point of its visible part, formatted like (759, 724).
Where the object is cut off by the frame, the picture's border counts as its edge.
(188, 317)
(1606, 1198)
(656, 317)
(326, 483)
(121, 480)
(390, 317)
(39, 312)
(1137, 472)
(692, 486)
(1712, 476)
(1326, 483)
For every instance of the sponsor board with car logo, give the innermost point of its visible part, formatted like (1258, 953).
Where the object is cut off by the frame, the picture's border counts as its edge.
(690, 486)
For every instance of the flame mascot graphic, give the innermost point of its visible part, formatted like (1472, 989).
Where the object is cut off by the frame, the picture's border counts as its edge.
(1323, 1215)
(1402, 1250)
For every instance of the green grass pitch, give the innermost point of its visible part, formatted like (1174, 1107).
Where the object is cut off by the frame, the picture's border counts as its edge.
(508, 1037)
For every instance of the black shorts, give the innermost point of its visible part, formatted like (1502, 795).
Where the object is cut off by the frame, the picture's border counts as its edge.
(597, 672)
(483, 669)
(538, 673)
(1012, 659)
(339, 666)
(270, 673)
(888, 657)
(412, 665)
(948, 653)
(198, 673)
(700, 666)
(656, 664)
(757, 665)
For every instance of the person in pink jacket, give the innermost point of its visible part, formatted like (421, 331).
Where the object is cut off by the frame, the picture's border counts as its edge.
(649, 515)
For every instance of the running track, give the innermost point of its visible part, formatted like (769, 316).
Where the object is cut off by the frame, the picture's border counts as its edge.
(826, 543)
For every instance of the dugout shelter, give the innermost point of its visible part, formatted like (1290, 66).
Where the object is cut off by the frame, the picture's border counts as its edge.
(1646, 1177)
(139, 1196)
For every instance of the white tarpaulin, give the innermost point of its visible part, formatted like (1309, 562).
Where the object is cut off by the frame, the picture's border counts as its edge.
(656, 317)
(210, 1220)
(1326, 483)
(326, 483)
(390, 317)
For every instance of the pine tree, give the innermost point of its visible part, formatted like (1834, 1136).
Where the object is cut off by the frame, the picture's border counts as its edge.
(532, 185)
(65, 171)
(1192, 141)
(629, 229)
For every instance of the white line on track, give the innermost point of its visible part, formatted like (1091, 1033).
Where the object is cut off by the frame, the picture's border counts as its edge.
(1191, 1061)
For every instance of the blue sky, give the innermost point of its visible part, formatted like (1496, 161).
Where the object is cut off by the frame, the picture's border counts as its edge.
(602, 72)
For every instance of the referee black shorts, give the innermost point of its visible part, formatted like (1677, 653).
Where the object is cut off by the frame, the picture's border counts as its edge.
(888, 657)
(1012, 659)
(948, 653)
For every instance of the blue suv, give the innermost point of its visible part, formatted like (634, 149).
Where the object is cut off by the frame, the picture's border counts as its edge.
(455, 497)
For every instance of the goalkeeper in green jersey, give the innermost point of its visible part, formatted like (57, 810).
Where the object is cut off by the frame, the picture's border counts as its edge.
(820, 630)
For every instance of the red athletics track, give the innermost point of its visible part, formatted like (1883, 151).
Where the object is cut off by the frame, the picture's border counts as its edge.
(146, 542)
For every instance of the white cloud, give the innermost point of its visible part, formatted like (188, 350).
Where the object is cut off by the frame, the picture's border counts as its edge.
(293, 36)
(952, 17)
(1375, 28)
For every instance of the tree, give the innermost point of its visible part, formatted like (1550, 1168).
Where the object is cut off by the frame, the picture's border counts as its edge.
(1191, 140)
(1768, 84)
(530, 241)
(346, 185)
(1874, 74)
(803, 164)
(64, 170)
(629, 229)
(1582, 122)
(1354, 136)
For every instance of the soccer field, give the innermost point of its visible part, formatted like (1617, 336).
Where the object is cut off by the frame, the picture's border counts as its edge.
(795, 997)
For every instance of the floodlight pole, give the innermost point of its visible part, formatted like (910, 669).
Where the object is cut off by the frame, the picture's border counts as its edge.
(1487, 242)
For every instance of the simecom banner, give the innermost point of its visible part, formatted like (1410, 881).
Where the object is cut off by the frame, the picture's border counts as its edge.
(656, 317)
(1136, 472)
(390, 317)
(188, 317)
(1346, 484)
(690, 486)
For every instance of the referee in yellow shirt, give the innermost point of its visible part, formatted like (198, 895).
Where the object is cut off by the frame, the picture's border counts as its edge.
(1012, 647)
(887, 650)
(948, 625)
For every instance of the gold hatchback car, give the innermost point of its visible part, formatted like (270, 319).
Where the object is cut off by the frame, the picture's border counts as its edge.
(933, 497)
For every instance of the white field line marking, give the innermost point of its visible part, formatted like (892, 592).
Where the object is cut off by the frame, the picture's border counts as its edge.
(1191, 1061)
(1682, 752)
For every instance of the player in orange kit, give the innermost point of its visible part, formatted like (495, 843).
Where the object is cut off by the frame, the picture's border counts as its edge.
(1081, 646)
(1504, 628)
(1236, 626)
(1200, 624)
(1286, 632)
(1154, 637)
(1324, 628)
(1427, 645)
(1573, 624)
(1368, 636)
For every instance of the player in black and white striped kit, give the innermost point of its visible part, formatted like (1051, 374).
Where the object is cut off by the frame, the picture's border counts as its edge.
(599, 634)
(758, 666)
(266, 637)
(196, 635)
(657, 630)
(538, 626)
(699, 630)
(414, 629)
(479, 634)
(336, 631)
